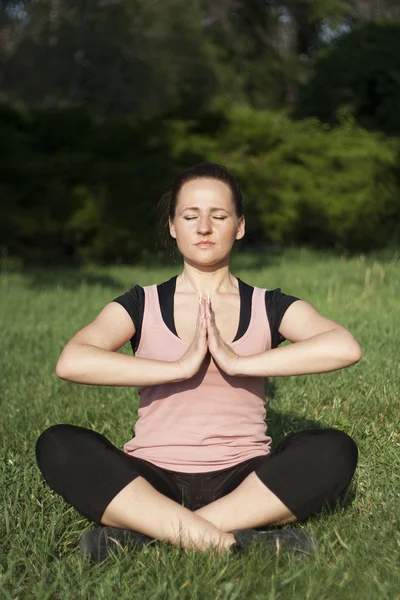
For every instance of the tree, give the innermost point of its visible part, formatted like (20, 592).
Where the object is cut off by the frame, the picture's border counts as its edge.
(126, 56)
(367, 86)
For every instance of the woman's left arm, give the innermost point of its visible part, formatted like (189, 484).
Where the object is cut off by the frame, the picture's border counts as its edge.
(320, 345)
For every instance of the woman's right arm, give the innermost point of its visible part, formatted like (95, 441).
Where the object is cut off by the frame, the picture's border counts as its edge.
(91, 356)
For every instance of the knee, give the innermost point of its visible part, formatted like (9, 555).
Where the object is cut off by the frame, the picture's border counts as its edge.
(54, 447)
(341, 452)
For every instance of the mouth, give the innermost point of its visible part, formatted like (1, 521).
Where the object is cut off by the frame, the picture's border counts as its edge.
(205, 244)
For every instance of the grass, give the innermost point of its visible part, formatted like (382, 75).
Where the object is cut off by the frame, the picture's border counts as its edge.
(41, 309)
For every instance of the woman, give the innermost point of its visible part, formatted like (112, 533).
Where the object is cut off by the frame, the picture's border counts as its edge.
(200, 472)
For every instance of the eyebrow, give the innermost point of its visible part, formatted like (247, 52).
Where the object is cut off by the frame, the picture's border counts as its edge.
(197, 208)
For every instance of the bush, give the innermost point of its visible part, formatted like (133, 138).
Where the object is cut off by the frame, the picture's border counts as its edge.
(307, 183)
(78, 188)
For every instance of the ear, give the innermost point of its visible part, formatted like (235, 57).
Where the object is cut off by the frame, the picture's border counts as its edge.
(171, 228)
(241, 228)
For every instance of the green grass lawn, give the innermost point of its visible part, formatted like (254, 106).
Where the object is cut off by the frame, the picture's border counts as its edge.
(40, 310)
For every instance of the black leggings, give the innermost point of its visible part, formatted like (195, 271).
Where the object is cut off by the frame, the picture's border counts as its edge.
(308, 471)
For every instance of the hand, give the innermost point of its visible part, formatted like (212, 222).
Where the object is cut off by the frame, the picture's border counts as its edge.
(191, 361)
(221, 352)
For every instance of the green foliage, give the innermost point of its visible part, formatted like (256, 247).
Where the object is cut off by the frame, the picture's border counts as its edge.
(148, 58)
(305, 183)
(79, 188)
(118, 57)
(361, 72)
(76, 187)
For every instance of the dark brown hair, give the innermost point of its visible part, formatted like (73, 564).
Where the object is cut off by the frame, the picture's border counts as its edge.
(167, 203)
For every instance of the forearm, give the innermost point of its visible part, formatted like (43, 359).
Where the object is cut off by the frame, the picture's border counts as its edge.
(82, 363)
(322, 353)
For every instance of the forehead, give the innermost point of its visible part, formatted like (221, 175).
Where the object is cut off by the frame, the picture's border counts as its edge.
(205, 191)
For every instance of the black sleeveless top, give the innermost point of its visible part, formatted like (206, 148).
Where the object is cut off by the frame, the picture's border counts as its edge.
(276, 304)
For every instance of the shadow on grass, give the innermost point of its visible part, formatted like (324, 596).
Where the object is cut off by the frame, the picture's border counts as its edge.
(66, 277)
(254, 260)
(73, 276)
(242, 258)
(281, 424)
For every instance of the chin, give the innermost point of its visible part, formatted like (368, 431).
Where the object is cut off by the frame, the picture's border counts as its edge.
(207, 261)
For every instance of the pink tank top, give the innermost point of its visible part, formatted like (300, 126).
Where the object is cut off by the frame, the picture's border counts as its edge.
(211, 421)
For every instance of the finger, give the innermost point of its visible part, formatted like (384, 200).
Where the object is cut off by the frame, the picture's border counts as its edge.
(203, 319)
(202, 328)
(210, 326)
(200, 311)
(198, 318)
(205, 309)
(202, 334)
(198, 327)
(210, 312)
(209, 309)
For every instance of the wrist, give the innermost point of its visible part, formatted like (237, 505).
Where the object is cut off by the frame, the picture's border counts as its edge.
(179, 372)
(238, 366)
(243, 367)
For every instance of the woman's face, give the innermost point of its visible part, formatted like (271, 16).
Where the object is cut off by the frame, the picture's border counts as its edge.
(205, 212)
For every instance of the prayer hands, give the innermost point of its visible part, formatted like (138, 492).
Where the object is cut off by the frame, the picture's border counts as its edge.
(221, 352)
(207, 338)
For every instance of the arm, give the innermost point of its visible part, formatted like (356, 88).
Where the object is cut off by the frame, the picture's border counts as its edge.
(321, 345)
(91, 356)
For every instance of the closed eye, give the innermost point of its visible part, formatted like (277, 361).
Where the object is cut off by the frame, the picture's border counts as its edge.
(191, 218)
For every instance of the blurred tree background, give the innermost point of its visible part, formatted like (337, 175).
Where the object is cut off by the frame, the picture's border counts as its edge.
(103, 102)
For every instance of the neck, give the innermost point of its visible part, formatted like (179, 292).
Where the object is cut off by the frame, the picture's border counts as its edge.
(209, 280)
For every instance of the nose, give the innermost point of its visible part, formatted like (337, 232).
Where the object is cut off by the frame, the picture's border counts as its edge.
(204, 225)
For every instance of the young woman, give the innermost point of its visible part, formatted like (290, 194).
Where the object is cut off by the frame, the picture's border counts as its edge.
(200, 471)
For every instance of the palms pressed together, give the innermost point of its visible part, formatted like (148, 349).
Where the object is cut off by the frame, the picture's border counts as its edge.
(207, 338)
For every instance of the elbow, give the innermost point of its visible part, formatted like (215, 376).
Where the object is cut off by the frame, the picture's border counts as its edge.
(67, 362)
(356, 354)
(63, 368)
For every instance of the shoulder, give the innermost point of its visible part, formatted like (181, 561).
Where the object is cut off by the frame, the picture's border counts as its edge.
(276, 305)
(133, 302)
(133, 294)
(273, 298)
(277, 298)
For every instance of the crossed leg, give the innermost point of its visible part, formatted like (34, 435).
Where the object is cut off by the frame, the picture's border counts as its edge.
(317, 464)
(251, 504)
(330, 457)
(141, 507)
